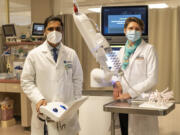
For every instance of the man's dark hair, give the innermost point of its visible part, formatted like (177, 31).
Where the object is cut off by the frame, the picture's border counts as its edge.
(52, 18)
(134, 19)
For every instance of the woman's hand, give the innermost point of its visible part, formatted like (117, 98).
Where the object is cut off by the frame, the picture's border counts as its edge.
(124, 96)
(117, 90)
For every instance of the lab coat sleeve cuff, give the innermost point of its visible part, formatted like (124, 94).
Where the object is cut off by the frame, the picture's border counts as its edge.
(37, 99)
(114, 79)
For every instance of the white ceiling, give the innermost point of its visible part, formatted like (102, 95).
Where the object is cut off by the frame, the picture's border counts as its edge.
(65, 6)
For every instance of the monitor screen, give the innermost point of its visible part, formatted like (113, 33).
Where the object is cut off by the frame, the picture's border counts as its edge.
(38, 29)
(9, 30)
(113, 19)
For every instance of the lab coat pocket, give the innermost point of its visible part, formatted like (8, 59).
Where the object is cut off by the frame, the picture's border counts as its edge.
(140, 67)
(68, 84)
(35, 122)
(68, 74)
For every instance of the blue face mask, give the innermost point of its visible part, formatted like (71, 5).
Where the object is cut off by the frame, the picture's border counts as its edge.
(133, 35)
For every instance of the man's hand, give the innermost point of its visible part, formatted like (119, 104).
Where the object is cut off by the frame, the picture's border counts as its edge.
(40, 103)
(117, 90)
(124, 96)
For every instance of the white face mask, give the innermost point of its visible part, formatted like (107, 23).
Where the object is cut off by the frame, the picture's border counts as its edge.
(133, 35)
(54, 37)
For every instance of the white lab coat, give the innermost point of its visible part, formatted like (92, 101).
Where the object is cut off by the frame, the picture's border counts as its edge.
(42, 78)
(142, 75)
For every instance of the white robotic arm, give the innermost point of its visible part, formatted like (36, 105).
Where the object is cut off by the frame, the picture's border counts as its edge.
(99, 48)
(96, 43)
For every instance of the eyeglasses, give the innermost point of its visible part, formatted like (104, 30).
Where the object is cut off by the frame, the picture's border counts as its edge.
(55, 28)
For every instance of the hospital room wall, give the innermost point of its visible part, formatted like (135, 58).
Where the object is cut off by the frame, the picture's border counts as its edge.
(41, 9)
(3, 20)
(164, 34)
(2, 60)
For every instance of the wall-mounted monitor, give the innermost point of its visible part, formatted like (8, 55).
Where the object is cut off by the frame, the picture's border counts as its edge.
(38, 29)
(113, 20)
(9, 30)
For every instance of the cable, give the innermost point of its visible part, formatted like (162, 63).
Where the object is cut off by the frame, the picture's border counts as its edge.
(130, 85)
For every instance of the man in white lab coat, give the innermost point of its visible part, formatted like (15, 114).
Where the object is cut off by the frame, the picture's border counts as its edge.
(52, 72)
(140, 67)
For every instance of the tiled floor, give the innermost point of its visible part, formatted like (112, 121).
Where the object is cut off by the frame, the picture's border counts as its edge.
(14, 130)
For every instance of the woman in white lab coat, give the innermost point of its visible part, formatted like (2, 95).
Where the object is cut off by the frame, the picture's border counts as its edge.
(48, 77)
(140, 67)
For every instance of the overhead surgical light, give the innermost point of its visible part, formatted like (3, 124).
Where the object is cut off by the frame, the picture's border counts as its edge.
(160, 5)
(97, 10)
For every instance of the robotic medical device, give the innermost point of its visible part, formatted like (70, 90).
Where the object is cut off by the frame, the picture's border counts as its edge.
(99, 48)
(56, 114)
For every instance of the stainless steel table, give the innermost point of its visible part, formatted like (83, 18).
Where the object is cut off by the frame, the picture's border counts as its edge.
(132, 107)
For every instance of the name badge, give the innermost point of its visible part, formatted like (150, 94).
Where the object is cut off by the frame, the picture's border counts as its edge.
(67, 64)
(140, 58)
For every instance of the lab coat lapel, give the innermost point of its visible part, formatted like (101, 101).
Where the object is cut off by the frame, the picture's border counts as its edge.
(47, 52)
(137, 52)
(61, 55)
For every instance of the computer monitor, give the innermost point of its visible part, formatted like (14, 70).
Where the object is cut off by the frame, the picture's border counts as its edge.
(38, 29)
(113, 20)
(9, 30)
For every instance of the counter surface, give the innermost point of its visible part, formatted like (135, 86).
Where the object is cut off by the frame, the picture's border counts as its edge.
(9, 81)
